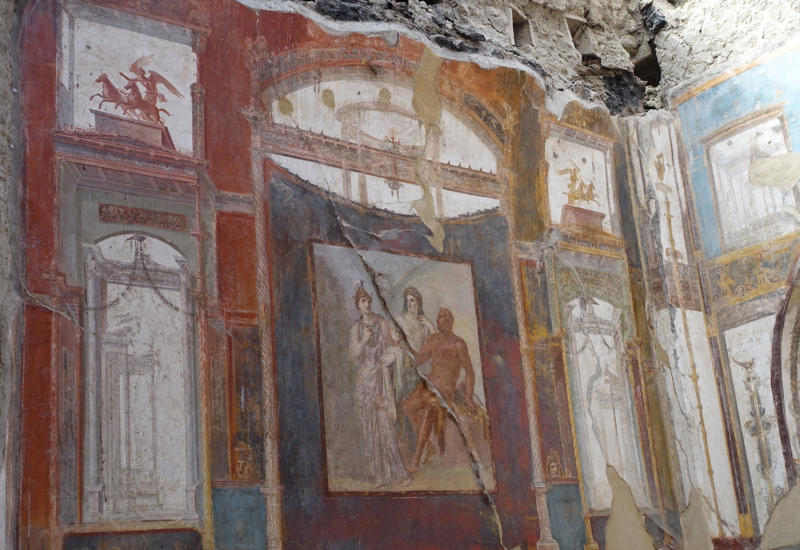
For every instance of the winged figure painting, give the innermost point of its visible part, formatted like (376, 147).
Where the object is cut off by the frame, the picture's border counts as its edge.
(150, 81)
(129, 98)
(577, 191)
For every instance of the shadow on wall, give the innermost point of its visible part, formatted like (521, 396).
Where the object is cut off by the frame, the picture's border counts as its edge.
(783, 528)
(626, 529)
(695, 525)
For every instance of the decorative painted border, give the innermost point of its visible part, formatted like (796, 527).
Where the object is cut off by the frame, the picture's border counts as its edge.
(751, 272)
(138, 216)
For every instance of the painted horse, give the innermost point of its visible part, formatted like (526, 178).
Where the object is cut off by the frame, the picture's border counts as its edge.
(111, 94)
(147, 111)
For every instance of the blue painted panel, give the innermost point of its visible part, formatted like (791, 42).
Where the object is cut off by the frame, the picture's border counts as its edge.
(774, 82)
(240, 519)
(566, 519)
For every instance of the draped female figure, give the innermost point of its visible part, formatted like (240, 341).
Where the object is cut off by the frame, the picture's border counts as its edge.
(370, 343)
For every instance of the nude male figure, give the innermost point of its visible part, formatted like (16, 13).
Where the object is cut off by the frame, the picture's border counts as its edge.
(449, 355)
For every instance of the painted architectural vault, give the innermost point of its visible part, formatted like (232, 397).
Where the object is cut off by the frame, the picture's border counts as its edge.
(296, 287)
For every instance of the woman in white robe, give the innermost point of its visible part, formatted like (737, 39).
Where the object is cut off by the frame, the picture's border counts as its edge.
(370, 340)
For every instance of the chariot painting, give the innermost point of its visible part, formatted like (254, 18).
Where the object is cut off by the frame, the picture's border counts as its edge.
(402, 394)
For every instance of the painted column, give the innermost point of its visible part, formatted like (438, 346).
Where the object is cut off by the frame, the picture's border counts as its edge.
(271, 487)
(198, 119)
(92, 485)
(189, 393)
(539, 485)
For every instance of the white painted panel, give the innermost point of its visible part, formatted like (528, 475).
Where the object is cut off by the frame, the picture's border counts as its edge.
(747, 213)
(750, 355)
(459, 204)
(605, 419)
(151, 473)
(358, 116)
(565, 158)
(379, 194)
(99, 48)
(141, 420)
(145, 445)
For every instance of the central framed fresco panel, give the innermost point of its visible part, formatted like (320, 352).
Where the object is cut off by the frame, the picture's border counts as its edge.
(375, 345)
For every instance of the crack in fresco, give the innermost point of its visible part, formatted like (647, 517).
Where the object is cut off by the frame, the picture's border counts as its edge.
(691, 423)
(381, 235)
(670, 363)
(587, 299)
(677, 354)
(139, 258)
(552, 236)
(692, 485)
(69, 318)
(263, 280)
(680, 448)
(375, 277)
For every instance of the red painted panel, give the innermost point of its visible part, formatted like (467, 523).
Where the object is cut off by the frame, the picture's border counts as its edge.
(236, 256)
(38, 73)
(223, 71)
(36, 414)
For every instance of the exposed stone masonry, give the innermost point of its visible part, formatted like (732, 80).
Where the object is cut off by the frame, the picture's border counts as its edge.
(582, 47)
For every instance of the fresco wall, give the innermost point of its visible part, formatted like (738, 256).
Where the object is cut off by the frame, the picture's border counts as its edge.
(295, 286)
(688, 381)
(734, 130)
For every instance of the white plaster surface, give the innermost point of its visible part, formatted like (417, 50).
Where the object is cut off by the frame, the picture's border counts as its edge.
(121, 249)
(152, 432)
(655, 145)
(747, 213)
(145, 373)
(448, 204)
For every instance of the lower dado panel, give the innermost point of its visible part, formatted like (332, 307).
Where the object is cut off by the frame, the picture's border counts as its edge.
(566, 515)
(240, 518)
(162, 540)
